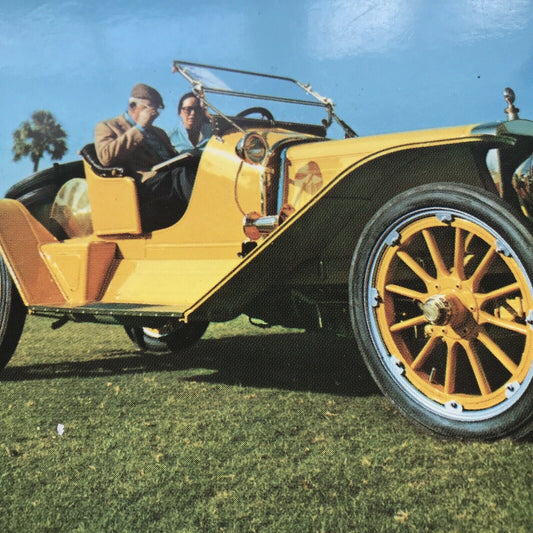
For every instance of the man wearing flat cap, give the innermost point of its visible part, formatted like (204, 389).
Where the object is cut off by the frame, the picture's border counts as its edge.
(132, 142)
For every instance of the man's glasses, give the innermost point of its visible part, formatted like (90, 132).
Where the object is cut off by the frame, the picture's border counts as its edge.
(143, 103)
(148, 106)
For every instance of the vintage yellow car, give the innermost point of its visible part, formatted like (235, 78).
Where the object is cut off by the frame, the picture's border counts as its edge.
(418, 244)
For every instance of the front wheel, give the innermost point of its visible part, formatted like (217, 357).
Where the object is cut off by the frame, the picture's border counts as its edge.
(442, 307)
(12, 316)
(172, 337)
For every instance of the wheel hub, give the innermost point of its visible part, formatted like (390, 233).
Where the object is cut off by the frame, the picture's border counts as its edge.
(437, 310)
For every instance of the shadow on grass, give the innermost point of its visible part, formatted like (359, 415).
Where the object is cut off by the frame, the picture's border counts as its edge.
(292, 361)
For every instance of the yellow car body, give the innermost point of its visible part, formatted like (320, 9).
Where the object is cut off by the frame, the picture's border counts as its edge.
(293, 228)
(180, 268)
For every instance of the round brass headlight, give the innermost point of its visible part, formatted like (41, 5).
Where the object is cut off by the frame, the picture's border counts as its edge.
(252, 148)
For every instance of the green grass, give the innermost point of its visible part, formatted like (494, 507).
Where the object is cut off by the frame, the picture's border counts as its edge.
(258, 430)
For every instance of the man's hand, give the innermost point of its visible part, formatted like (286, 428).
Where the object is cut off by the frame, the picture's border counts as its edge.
(147, 116)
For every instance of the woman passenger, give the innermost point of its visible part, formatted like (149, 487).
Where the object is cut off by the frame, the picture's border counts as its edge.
(194, 130)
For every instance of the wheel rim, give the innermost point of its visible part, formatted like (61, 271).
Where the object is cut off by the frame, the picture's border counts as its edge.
(449, 306)
(159, 333)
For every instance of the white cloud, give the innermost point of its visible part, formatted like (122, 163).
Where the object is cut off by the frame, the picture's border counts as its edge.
(60, 37)
(474, 20)
(346, 28)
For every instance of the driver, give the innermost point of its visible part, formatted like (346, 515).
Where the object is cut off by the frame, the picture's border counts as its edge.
(132, 141)
(194, 129)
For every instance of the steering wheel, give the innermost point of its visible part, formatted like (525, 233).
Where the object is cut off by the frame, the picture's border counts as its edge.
(263, 111)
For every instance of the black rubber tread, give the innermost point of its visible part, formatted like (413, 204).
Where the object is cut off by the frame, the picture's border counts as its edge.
(48, 180)
(12, 316)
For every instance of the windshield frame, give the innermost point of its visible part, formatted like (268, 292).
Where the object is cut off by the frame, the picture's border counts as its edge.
(200, 88)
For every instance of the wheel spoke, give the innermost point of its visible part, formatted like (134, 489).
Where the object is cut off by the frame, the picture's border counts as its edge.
(475, 363)
(406, 324)
(436, 256)
(504, 359)
(483, 268)
(415, 267)
(405, 291)
(487, 318)
(468, 239)
(459, 253)
(498, 293)
(426, 351)
(451, 369)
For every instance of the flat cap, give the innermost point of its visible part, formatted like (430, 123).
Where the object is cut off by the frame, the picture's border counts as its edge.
(146, 92)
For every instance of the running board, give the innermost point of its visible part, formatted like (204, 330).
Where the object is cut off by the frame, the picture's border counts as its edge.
(111, 313)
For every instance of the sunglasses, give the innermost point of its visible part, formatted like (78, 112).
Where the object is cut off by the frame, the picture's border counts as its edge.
(190, 109)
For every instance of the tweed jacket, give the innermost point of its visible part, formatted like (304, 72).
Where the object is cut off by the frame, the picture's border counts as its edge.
(118, 143)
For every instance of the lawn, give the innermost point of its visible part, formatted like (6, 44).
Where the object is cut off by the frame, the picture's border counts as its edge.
(252, 430)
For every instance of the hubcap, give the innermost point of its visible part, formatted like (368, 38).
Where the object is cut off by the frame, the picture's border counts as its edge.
(437, 310)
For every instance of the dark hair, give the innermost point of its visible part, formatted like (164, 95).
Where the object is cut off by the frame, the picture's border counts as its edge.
(183, 98)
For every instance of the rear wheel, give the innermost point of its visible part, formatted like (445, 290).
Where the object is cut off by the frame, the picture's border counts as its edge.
(12, 316)
(442, 307)
(173, 337)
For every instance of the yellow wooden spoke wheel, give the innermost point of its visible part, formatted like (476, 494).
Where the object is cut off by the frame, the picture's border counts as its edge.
(442, 306)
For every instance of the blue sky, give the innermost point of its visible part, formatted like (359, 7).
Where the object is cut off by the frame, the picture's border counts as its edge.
(389, 65)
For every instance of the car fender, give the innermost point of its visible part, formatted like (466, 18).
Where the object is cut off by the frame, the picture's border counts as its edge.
(323, 232)
(21, 250)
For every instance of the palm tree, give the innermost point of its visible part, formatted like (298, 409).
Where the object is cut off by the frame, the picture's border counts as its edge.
(39, 135)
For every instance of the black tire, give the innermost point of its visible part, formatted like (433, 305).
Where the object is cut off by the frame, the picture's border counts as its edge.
(44, 184)
(38, 191)
(441, 304)
(174, 337)
(12, 316)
